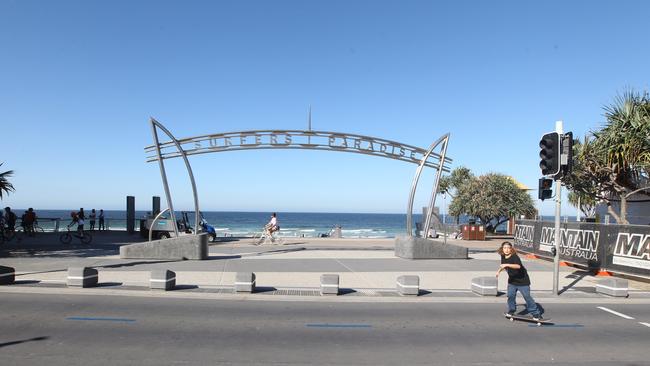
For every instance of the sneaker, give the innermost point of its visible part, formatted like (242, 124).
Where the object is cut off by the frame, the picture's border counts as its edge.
(538, 317)
(509, 313)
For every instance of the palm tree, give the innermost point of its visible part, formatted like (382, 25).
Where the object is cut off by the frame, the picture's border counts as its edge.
(625, 139)
(5, 186)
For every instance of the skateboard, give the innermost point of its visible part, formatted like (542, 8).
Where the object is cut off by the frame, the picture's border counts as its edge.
(512, 318)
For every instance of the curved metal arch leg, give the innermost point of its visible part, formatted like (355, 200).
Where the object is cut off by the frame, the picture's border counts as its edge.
(416, 178)
(155, 124)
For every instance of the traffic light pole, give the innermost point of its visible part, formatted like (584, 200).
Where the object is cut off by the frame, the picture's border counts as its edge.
(556, 257)
(558, 204)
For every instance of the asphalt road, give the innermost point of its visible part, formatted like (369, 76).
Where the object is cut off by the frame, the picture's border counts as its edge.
(55, 330)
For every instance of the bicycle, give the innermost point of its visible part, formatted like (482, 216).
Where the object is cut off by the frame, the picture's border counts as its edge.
(264, 236)
(66, 238)
(7, 234)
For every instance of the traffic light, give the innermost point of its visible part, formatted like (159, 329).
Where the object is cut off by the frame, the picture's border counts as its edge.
(567, 149)
(550, 153)
(544, 191)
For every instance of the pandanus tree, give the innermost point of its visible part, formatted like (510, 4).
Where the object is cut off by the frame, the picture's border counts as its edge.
(612, 164)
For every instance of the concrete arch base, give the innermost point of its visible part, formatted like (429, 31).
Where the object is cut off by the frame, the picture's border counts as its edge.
(183, 247)
(409, 247)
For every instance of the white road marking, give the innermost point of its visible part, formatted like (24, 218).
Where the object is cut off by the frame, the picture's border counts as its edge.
(615, 312)
(646, 324)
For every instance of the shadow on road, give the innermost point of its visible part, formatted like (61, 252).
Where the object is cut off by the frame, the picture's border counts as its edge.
(13, 343)
(578, 275)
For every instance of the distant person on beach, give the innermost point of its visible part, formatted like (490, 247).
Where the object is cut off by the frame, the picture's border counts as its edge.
(101, 220)
(92, 217)
(272, 226)
(518, 280)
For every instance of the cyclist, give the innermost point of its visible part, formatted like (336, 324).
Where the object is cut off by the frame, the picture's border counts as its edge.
(79, 221)
(272, 226)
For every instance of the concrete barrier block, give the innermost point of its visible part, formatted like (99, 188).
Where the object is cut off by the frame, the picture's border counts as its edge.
(82, 277)
(7, 275)
(182, 247)
(329, 284)
(245, 282)
(421, 248)
(485, 286)
(162, 280)
(408, 285)
(617, 287)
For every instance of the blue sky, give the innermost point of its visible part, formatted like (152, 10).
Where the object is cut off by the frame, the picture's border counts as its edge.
(80, 79)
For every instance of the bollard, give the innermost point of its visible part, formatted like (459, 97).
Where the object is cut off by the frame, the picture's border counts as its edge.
(82, 277)
(7, 275)
(616, 287)
(245, 282)
(162, 280)
(329, 284)
(408, 285)
(485, 286)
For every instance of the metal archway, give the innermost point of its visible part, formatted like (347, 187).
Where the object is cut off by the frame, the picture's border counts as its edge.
(299, 139)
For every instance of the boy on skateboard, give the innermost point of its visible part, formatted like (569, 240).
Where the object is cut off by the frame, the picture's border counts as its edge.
(518, 280)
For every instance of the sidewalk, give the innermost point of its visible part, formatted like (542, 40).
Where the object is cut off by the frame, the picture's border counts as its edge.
(366, 266)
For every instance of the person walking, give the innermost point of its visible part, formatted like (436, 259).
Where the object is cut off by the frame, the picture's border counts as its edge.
(518, 280)
(101, 220)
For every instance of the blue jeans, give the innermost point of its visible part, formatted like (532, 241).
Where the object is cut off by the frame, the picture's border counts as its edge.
(531, 306)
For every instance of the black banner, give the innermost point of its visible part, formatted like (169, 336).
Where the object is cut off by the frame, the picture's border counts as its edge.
(615, 248)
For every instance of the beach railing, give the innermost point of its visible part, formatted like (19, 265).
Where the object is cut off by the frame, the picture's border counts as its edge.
(56, 224)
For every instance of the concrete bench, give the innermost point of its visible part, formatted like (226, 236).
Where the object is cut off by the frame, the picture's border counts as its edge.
(7, 275)
(616, 287)
(329, 284)
(82, 277)
(245, 282)
(162, 280)
(408, 285)
(484, 286)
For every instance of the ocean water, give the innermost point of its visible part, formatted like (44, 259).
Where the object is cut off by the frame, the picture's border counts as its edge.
(292, 224)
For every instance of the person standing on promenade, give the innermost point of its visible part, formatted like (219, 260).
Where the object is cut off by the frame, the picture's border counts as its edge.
(101, 220)
(518, 280)
(29, 220)
(80, 223)
(92, 217)
(10, 220)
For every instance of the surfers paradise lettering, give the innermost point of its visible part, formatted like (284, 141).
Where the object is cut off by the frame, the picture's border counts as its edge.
(292, 139)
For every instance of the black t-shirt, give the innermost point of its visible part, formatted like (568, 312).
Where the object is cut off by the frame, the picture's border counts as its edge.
(518, 277)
